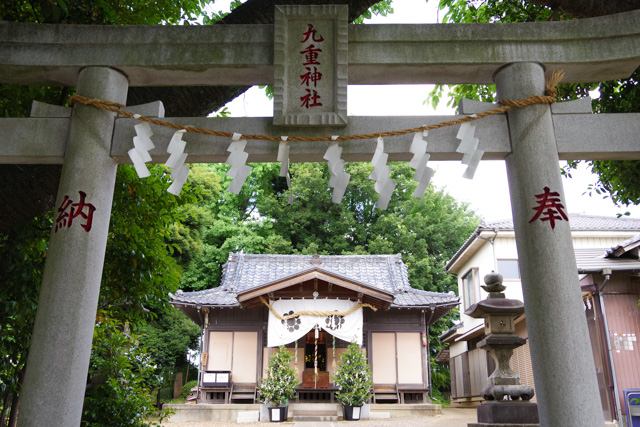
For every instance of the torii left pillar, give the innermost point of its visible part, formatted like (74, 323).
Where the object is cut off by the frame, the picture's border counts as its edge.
(56, 373)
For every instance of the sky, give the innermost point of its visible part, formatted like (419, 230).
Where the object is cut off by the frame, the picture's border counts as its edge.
(488, 192)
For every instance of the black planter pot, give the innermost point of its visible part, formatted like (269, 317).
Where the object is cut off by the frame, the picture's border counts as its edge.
(278, 414)
(351, 413)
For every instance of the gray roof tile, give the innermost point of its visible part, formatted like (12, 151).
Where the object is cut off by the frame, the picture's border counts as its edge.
(247, 271)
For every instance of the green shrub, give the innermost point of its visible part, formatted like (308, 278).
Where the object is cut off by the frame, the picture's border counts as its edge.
(280, 384)
(186, 389)
(124, 398)
(165, 394)
(353, 378)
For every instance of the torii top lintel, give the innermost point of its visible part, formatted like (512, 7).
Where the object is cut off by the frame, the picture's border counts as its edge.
(594, 49)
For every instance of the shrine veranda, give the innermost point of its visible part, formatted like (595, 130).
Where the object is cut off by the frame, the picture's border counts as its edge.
(102, 63)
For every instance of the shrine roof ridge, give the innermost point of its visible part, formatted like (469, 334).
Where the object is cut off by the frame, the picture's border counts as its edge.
(388, 273)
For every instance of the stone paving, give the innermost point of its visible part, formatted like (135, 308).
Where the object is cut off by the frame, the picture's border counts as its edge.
(451, 417)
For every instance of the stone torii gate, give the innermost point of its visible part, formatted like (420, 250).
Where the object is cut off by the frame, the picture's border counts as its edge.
(104, 61)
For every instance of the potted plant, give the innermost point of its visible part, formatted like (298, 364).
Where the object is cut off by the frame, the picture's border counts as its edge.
(353, 380)
(279, 385)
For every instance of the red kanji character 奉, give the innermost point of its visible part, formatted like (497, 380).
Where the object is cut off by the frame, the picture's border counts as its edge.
(311, 33)
(550, 208)
(63, 215)
(75, 210)
(311, 76)
(310, 99)
(311, 55)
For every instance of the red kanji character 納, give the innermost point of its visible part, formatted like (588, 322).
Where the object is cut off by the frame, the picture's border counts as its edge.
(311, 33)
(65, 219)
(311, 76)
(63, 215)
(310, 99)
(311, 53)
(77, 209)
(549, 208)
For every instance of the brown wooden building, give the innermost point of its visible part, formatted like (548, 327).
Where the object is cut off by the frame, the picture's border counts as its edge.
(241, 329)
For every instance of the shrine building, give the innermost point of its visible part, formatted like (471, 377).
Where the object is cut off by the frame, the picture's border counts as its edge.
(374, 304)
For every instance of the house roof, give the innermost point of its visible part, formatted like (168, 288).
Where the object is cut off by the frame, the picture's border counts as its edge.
(578, 222)
(386, 274)
(595, 260)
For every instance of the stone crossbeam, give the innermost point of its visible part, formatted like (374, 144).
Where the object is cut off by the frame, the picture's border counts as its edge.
(579, 137)
(596, 49)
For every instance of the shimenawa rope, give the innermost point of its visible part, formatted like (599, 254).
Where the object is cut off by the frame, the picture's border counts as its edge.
(551, 81)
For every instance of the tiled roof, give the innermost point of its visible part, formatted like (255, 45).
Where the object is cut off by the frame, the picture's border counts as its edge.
(595, 260)
(578, 222)
(247, 271)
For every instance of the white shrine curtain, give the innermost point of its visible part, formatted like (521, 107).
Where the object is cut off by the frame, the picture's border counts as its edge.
(281, 332)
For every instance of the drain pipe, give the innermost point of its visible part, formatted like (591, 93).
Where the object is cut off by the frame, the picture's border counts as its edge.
(607, 275)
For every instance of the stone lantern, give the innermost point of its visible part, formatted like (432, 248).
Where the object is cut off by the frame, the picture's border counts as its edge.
(508, 400)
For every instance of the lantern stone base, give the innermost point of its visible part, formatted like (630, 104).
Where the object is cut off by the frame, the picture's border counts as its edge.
(507, 414)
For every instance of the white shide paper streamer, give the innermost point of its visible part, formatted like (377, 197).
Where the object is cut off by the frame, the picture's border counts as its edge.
(283, 158)
(381, 175)
(142, 143)
(339, 178)
(469, 147)
(419, 163)
(239, 170)
(179, 171)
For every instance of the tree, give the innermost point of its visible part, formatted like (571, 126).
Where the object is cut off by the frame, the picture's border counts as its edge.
(128, 372)
(617, 180)
(280, 382)
(353, 377)
(168, 340)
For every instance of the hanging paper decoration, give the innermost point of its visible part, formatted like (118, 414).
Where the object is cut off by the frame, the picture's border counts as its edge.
(469, 147)
(295, 352)
(180, 171)
(339, 178)
(381, 175)
(239, 170)
(283, 157)
(419, 163)
(142, 143)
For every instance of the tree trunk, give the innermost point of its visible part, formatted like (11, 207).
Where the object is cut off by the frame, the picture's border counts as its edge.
(15, 404)
(5, 405)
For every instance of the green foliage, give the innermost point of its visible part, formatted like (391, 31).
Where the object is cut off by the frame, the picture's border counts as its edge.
(353, 377)
(169, 337)
(124, 398)
(23, 252)
(617, 180)
(186, 389)
(426, 231)
(103, 12)
(280, 383)
(165, 394)
(382, 8)
(139, 271)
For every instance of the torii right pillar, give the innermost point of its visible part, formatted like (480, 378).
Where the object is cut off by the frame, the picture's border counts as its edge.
(563, 367)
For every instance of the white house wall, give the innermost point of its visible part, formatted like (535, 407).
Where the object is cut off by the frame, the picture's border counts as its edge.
(483, 255)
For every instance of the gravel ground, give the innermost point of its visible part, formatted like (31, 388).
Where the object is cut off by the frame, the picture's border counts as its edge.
(451, 417)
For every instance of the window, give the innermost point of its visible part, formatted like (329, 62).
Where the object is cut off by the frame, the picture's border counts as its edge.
(469, 285)
(509, 268)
